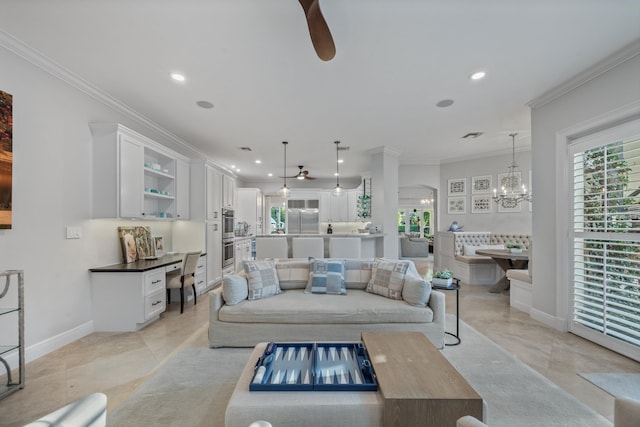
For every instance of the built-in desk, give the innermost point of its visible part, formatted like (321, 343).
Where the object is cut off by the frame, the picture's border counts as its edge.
(129, 296)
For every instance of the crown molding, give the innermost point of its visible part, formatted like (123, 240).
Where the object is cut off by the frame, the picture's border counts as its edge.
(384, 149)
(628, 52)
(48, 65)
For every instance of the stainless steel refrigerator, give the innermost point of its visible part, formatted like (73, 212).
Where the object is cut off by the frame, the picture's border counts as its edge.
(303, 217)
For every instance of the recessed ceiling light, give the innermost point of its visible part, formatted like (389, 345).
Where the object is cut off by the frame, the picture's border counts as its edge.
(177, 77)
(258, 161)
(445, 103)
(477, 75)
(238, 170)
(233, 166)
(269, 174)
(340, 161)
(204, 104)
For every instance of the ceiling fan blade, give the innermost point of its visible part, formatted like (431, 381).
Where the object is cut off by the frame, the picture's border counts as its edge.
(306, 175)
(318, 30)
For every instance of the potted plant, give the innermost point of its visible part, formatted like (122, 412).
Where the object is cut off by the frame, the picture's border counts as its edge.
(514, 248)
(442, 278)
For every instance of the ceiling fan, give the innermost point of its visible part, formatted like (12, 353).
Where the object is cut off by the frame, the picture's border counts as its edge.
(301, 175)
(318, 30)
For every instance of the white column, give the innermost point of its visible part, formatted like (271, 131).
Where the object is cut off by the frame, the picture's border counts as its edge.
(384, 197)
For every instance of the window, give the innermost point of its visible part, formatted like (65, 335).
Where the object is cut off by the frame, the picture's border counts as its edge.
(605, 238)
(415, 220)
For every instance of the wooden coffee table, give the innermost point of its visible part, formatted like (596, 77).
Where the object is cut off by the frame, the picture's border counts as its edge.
(418, 384)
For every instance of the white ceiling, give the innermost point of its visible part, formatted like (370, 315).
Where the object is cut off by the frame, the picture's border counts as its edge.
(395, 60)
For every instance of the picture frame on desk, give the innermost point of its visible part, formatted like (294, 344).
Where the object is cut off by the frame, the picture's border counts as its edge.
(158, 245)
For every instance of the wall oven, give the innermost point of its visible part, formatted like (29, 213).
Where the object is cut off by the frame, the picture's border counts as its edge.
(227, 223)
(228, 256)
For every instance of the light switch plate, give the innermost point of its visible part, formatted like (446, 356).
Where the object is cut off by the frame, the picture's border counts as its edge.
(74, 232)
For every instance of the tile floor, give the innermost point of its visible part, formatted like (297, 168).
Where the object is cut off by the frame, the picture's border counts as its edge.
(117, 363)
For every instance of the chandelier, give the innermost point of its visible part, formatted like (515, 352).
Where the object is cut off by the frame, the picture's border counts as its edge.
(512, 191)
(284, 190)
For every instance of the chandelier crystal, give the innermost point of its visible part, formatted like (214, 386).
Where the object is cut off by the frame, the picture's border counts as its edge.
(511, 193)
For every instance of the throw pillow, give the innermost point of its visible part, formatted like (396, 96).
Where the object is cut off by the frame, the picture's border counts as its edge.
(416, 291)
(326, 277)
(234, 289)
(262, 278)
(387, 278)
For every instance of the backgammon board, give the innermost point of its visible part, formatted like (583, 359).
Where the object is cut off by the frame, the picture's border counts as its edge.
(314, 366)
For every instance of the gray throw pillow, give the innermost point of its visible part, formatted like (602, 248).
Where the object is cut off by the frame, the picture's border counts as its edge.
(262, 278)
(234, 289)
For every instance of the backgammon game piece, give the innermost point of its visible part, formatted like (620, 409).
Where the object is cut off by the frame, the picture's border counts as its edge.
(314, 366)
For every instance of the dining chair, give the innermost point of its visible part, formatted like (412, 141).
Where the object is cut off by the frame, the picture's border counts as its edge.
(184, 277)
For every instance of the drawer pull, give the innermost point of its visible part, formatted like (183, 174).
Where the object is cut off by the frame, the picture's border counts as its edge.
(156, 303)
(156, 281)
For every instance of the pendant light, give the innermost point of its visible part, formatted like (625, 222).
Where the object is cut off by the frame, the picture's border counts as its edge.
(284, 191)
(511, 194)
(338, 190)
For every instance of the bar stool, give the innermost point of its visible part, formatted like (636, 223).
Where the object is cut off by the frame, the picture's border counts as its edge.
(304, 247)
(271, 247)
(344, 247)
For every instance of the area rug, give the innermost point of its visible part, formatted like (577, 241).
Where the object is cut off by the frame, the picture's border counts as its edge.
(193, 388)
(618, 385)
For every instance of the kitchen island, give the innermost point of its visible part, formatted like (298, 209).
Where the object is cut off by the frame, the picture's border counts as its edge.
(371, 244)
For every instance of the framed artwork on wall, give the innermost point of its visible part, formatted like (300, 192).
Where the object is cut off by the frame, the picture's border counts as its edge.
(481, 204)
(6, 159)
(481, 184)
(457, 205)
(457, 187)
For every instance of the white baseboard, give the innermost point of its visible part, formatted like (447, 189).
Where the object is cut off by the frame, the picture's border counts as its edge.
(41, 348)
(549, 320)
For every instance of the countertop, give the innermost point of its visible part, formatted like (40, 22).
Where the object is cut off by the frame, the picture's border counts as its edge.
(141, 265)
(359, 235)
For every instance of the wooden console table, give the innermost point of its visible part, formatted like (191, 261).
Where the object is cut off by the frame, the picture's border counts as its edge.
(418, 384)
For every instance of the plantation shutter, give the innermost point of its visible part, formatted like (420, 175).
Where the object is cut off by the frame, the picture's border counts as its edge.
(605, 236)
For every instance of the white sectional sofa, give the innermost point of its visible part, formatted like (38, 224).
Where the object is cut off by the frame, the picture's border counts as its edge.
(469, 267)
(294, 314)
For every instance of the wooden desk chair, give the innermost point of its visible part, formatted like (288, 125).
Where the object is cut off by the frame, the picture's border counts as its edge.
(184, 277)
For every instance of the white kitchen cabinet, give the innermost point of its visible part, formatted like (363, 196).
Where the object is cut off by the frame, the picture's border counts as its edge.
(133, 176)
(228, 192)
(242, 252)
(127, 301)
(201, 275)
(214, 253)
(342, 208)
(182, 189)
(249, 208)
(325, 206)
(206, 192)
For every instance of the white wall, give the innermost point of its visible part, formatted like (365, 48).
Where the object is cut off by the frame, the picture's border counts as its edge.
(51, 190)
(518, 222)
(611, 93)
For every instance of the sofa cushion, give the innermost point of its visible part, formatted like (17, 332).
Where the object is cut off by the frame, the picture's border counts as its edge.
(387, 278)
(293, 273)
(234, 289)
(357, 273)
(297, 307)
(326, 276)
(262, 278)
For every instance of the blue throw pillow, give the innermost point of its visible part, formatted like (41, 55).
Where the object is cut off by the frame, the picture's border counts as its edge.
(326, 277)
